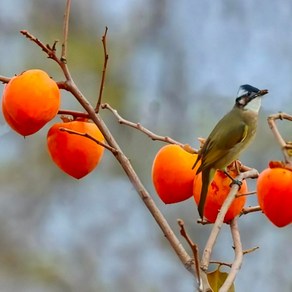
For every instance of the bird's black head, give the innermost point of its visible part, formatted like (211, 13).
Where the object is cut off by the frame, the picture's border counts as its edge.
(247, 93)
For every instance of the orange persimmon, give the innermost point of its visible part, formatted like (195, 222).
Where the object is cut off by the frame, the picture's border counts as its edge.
(172, 173)
(30, 100)
(74, 154)
(274, 191)
(218, 191)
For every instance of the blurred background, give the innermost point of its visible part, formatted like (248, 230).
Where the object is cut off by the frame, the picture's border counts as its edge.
(175, 67)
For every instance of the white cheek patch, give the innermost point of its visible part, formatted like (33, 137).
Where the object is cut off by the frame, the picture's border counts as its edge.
(254, 104)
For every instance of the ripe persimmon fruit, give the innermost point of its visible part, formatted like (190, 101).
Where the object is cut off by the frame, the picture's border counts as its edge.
(172, 173)
(30, 100)
(274, 191)
(218, 191)
(76, 155)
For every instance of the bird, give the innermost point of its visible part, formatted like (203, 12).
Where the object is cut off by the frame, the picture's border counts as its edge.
(229, 138)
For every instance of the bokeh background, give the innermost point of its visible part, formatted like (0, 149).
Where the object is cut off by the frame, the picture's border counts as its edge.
(175, 66)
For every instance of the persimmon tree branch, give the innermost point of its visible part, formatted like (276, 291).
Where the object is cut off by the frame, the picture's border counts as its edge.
(248, 210)
(65, 31)
(4, 79)
(236, 265)
(252, 173)
(106, 57)
(74, 114)
(194, 249)
(86, 135)
(285, 146)
(71, 87)
(139, 127)
(250, 250)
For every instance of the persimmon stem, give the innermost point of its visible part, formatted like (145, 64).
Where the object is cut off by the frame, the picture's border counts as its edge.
(106, 57)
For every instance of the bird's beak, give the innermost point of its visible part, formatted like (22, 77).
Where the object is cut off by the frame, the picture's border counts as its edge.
(261, 93)
(258, 94)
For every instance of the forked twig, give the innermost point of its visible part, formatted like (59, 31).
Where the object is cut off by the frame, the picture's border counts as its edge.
(106, 57)
(46, 48)
(194, 248)
(285, 147)
(238, 258)
(220, 218)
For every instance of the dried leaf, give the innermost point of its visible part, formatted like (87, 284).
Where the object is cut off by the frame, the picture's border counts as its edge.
(216, 280)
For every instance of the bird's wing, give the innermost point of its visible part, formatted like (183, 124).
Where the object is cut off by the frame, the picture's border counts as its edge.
(221, 142)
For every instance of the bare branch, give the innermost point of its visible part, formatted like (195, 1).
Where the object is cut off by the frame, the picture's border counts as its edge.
(65, 31)
(74, 114)
(194, 248)
(246, 194)
(142, 129)
(86, 135)
(250, 210)
(220, 218)
(250, 250)
(106, 57)
(4, 79)
(284, 146)
(51, 52)
(46, 48)
(236, 265)
(221, 263)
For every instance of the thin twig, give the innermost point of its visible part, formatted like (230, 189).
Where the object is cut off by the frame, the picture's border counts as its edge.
(139, 127)
(220, 218)
(250, 250)
(74, 114)
(221, 263)
(86, 135)
(51, 52)
(278, 136)
(238, 258)
(246, 194)
(46, 48)
(65, 31)
(4, 79)
(106, 56)
(194, 248)
(248, 210)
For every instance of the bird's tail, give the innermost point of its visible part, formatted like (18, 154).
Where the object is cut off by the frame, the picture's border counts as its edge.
(196, 162)
(207, 176)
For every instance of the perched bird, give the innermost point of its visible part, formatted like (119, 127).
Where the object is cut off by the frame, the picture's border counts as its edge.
(230, 137)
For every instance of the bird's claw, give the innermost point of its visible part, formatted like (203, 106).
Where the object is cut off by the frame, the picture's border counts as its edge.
(236, 182)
